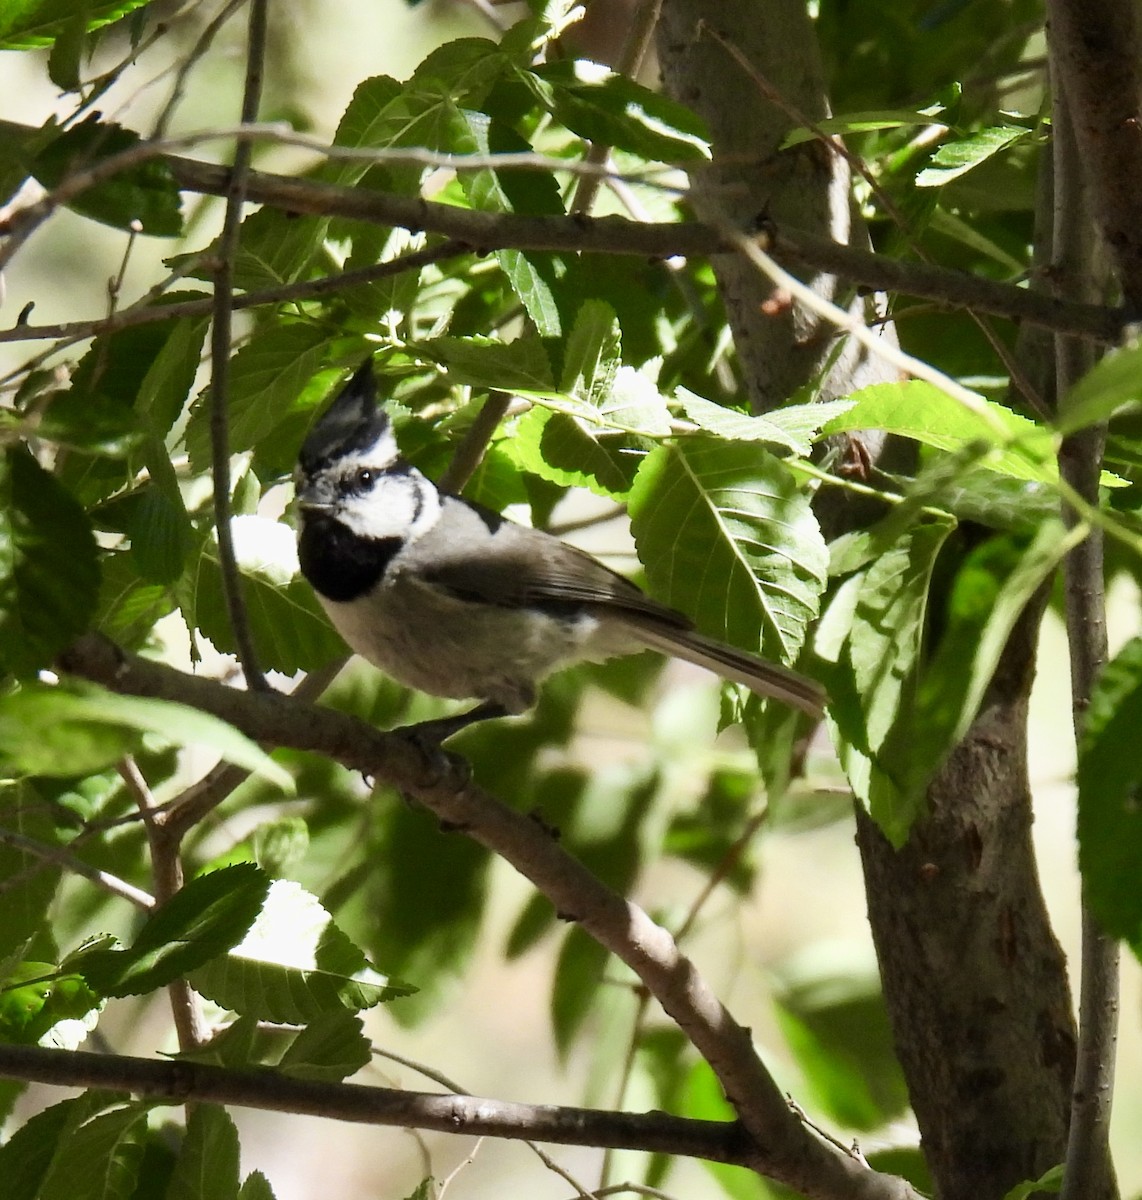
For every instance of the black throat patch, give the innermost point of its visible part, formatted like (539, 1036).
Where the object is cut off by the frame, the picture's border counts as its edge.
(339, 564)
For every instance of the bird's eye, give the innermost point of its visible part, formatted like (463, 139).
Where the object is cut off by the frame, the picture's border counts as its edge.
(363, 479)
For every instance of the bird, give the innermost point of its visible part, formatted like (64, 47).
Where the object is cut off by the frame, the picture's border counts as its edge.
(456, 600)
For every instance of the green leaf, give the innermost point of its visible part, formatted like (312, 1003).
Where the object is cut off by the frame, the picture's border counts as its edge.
(100, 1160)
(267, 377)
(1050, 1181)
(480, 362)
(578, 977)
(202, 920)
(1109, 778)
(26, 1154)
(790, 427)
(67, 53)
(526, 192)
(1114, 383)
(331, 1048)
(49, 576)
(29, 882)
(835, 1023)
(861, 122)
(50, 1009)
(592, 354)
(256, 1187)
(78, 728)
(294, 965)
(956, 158)
(612, 110)
(726, 537)
(29, 24)
(919, 410)
(290, 631)
(25, 24)
(207, 1167)
(142, 197)
(559, 448)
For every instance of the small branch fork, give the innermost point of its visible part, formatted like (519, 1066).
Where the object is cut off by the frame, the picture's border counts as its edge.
(779, 1144)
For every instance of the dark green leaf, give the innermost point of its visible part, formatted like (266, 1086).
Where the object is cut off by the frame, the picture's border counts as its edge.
(207, 1167)
(294, 966)
(578, 977)
(290, 631)
(67, 53)
(142, 196)
(256, 1187)
(611, 109)
(201, 921)
(79, 728)
(332, 1047)
(1110, 787)
(26, 1156)
(49, 577)
(100, 1160)
(267, 377)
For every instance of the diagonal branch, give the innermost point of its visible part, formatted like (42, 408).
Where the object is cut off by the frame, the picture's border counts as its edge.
(783, 1148)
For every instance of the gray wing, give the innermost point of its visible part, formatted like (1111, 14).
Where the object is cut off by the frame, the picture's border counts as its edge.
(489, 560)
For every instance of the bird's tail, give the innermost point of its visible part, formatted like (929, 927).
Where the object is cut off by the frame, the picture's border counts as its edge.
(764, 678)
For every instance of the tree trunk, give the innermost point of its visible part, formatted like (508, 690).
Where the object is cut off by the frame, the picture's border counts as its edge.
(974, 979)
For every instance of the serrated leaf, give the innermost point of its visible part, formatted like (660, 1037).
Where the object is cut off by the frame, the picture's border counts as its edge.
(202, 920)
(726, 537)
(256, 1187)
(919, 410)
(956, 158)
(267, 377)
(592, 353)
(39, 1006)
(1110, 817)
(49, 576)
(79, 728)
(738, 427)
(143, 197)
(517, 366)
(612, 110)
(33, 23)
(100, 1160)
(161, 535)
(294, 965)
(207, 1167)
(290, 631)
(557, 447)
(331, 1048)
(27, 1152)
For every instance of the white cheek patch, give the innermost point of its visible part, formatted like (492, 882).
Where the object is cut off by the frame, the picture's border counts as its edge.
(404, 505)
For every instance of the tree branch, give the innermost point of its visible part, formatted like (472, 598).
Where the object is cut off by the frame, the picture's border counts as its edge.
(220, 357)
(1074, 269)
(182, 1082)
(783, 1148)
(661, 239)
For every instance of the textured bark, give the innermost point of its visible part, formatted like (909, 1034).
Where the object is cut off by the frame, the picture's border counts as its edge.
(750, 109)
(974, 979)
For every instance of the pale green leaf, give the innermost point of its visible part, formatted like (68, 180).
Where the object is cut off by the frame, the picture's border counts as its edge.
(956, 158)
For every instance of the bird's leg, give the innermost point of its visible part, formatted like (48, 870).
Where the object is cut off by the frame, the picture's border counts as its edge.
(431, 733)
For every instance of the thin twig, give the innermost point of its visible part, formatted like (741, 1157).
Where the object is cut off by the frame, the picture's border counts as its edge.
(220, 358)
(468, 455)
(631, 58)
(144, 313)
(166, 866)
(59, 856)
(1089, 1170)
